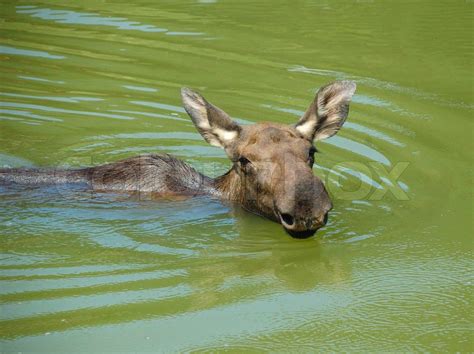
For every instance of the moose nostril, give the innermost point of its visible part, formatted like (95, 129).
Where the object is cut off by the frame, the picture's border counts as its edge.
(325, 220)
(287, 219)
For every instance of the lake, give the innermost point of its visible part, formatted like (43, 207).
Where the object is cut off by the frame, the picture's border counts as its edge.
(89, 82)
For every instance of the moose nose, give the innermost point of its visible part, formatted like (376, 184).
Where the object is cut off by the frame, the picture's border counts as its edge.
(302, 227)
(287, 219)
(303, 209)
(326, 217)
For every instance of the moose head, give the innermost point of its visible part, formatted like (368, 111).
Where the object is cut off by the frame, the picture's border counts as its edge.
(272, 171)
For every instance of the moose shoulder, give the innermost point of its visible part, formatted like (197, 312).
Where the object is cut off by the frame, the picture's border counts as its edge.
(271, 173)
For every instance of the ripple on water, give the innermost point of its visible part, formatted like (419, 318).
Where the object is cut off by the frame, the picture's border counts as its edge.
(84, 18)
(28, 52)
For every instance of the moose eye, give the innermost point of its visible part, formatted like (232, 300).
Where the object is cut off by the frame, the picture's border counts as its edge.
(243, 161)
(311, 153)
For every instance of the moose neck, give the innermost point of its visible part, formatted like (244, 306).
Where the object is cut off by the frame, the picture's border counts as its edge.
(229, 186)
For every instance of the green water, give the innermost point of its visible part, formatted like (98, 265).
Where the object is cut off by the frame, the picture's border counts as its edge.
(88, 82)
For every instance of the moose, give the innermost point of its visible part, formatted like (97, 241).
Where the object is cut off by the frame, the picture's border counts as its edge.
(272, 164)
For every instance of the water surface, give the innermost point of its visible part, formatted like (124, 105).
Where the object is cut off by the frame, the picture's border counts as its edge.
(84, 83)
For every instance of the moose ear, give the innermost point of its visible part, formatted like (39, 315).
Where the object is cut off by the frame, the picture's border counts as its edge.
(328, 112)
(216, 127)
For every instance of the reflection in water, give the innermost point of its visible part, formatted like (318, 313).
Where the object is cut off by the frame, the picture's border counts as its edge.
(32, 53)
(367, 81)
(72, 17)
(92, 19)
(59, 110)
(40, 79)
(145, 226)
(140, 88)
(49, 98)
